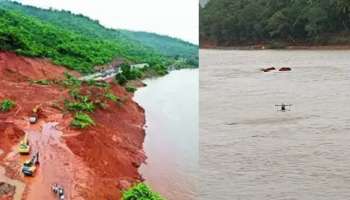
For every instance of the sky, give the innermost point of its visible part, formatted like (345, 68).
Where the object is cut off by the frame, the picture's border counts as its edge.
(176, 18)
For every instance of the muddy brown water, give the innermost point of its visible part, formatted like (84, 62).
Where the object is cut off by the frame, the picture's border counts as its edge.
(171, 143)
(250, 151)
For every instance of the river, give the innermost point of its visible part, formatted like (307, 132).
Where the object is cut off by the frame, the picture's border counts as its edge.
(171, 143)
(250, 151)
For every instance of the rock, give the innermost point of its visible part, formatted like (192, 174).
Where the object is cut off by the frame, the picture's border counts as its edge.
(6, 189)
(136, 164)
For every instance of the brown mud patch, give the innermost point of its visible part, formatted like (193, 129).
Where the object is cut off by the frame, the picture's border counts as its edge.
(93, 163)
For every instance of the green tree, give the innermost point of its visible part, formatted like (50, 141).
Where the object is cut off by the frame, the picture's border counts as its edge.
(238, 22)
(141, 192)
(6, 105)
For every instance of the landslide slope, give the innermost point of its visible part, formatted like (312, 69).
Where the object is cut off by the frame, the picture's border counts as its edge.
(92, 163)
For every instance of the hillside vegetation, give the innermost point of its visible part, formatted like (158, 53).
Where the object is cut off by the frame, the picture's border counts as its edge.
(168, 46)
(81, 43)
(243, 22)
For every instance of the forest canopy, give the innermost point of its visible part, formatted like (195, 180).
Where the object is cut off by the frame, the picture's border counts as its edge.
(246, 22)
(80, 43)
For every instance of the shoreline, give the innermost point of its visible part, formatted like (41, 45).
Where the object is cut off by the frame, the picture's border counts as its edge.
(291, 47)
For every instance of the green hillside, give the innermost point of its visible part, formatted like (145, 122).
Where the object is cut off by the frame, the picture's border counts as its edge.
(138, 44)
(166, 45)
(319, 22)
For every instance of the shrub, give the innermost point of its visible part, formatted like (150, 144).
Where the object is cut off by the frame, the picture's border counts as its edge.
(141, 192)
(102, 84)
(128, 74)
(130, 89)
(90, 82)
(75, 93)
(133, 74)
(80, 106)
(121, 79)
(156, 70)
(111, 97)
(125, 67)
(82, 120)
(7, 105)
(71, 81)
(161, 70)
(136, 74)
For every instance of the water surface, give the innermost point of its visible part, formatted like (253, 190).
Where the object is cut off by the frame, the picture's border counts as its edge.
(171, 143)
(250, 151)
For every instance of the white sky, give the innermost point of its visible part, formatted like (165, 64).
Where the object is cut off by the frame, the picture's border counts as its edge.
(176, 18)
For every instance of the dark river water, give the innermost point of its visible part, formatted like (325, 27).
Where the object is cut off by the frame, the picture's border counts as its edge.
(171, 144)
(249, 151)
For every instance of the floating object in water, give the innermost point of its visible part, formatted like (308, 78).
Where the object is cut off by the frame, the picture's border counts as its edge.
(284, 107)
(268, 69)
(284, 69)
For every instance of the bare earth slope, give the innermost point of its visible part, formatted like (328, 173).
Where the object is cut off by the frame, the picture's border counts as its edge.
(93, 163)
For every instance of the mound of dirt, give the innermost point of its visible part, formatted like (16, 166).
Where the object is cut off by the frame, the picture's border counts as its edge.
(6, 191)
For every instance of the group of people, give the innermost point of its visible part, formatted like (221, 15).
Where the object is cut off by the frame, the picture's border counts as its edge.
(58, 190)
(284, 107)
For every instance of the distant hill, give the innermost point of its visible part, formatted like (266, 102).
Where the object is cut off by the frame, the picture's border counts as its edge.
(135, 46)
(167, 45)
(247, 22)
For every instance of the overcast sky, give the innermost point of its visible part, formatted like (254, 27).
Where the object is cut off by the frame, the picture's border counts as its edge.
(176, 18)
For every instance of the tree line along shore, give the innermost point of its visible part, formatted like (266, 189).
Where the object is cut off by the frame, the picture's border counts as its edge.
(274, 23)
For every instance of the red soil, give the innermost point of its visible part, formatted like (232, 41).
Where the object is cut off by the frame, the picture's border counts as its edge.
(94, 163)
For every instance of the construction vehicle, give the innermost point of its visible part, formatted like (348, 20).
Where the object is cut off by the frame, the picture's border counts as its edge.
(58, 190)
(24, 147)
(29, 167)
(33, 118)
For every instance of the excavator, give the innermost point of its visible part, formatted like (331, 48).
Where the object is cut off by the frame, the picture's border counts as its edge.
(24, 147)
(29, 167)
(33, 118)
